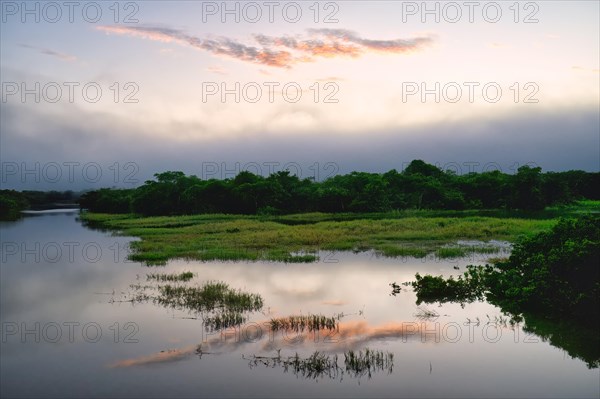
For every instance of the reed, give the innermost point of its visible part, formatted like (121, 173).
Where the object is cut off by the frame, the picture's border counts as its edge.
(300, 323)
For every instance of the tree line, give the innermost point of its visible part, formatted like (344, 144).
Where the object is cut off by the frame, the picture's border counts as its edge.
(12, 202)
(419, 186)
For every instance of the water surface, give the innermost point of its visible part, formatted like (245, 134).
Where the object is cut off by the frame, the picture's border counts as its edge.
(69, 330)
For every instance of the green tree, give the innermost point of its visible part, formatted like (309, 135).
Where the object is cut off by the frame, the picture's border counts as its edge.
(526, 189)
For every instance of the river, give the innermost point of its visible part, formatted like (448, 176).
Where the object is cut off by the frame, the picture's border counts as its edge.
(71, 329)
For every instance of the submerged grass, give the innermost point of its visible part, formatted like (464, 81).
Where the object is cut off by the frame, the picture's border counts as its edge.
(424, 313)
(162, 277)
(297, 238)
(223, 320)
(320, 365)
(365, 363)
(215, 302)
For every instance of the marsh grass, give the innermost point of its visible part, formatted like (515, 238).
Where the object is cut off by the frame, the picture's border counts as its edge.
(208, 297)
(173, 277)
(395, 250)
(217, 304)
(321, 365)
(316, 365)
(496, 260)
(297, 238)
(424, 313)
(299, 323)
(223, 320)
(362, 363)
(461, 251)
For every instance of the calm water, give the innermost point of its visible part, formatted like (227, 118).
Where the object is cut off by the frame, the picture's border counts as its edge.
(68, 330)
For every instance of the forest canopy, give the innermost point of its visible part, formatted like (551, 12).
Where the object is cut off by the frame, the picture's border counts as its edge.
(419, 186)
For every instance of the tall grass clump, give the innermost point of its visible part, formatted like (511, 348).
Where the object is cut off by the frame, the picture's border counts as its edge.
(299, 323)
(208, 297)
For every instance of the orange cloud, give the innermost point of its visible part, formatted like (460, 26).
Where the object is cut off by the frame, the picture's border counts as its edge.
(282, 52)
(156, 34)
(170, 355)
(389, 46)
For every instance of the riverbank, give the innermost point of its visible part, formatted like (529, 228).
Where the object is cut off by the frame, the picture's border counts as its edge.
(298, 237)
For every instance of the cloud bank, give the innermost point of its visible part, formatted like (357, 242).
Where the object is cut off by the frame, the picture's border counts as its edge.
(553, 139)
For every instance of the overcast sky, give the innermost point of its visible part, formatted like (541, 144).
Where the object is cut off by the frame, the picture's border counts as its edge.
(106, 94)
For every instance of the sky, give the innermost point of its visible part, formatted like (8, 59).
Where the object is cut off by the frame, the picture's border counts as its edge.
(99, 94)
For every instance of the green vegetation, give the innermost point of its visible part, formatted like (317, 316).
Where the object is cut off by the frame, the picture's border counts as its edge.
(419, 186)
(555, 272)
(184, 276)
(299, 323)
(250, 237)
(223, 320)
(578, 341)
(553, 276)
(413, 213)
(424, 314)
(320, 365)
(219, 305)
(208, 297)
(13, 202)
(466, 288)
(364, 363)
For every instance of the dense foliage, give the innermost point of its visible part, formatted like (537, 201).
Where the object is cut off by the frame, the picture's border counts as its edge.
(554, 273)
(419, 186)
(13, 202)
(466, 288)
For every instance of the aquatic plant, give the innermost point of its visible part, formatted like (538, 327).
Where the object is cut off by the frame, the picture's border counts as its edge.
(208, 297)
(321, 365)
(310, 322)
(362, 363)
(184, 276)
(424, 313)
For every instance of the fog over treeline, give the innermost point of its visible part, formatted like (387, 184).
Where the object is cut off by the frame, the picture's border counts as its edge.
(86, 151)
